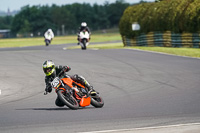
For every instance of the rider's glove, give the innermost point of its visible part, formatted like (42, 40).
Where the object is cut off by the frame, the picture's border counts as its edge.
(66, 68)
(48, 89)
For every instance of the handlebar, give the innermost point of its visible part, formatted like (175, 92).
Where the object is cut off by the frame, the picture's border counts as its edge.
(63, 70)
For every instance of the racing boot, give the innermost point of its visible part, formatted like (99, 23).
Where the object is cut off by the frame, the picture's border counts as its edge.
(83, 81)
(91, 90)
(87, 85)
(78, 42)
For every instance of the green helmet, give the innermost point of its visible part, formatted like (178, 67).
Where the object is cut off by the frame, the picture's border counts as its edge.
(48, 67)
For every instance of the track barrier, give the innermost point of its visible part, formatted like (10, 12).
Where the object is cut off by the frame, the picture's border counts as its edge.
(166, 39)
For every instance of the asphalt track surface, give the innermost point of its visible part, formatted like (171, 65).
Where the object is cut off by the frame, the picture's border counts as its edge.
(140, 90)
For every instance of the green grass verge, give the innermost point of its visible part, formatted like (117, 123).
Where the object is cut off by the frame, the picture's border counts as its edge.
(21, 42)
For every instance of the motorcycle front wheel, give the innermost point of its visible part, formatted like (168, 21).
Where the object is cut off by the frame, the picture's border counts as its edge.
(47, 42)
(84, 45)
(97, 101)
(68, 100)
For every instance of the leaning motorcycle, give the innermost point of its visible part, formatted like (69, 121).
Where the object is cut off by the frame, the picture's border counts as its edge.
(84, 39)
(75, 95)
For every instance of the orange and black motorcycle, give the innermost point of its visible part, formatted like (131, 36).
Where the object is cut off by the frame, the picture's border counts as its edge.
(75, 95)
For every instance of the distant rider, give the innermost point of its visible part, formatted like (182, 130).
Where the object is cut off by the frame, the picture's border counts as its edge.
(49, 35)
(82, 28)
(52, 71)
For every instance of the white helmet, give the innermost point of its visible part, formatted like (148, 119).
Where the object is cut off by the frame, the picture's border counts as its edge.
(49, 30)
(83, 24)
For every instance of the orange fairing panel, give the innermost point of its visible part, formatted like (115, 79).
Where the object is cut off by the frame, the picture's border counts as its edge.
(85, 101)
(68, 81)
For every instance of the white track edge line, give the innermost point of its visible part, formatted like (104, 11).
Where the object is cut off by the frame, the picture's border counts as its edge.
(161, 53)
(144, 128)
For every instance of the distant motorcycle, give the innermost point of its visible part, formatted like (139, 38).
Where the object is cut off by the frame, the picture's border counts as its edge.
(75, 95)
(48, 35)
(84, 37)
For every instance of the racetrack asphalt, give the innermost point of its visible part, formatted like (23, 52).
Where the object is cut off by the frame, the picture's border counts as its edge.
(142, 91)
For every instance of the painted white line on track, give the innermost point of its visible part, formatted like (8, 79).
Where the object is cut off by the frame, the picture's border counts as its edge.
(161, 53)
(93, 48)
(145, 128)
(0, 92)
(80, 48)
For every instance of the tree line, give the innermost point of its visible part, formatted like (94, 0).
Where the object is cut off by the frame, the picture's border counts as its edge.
(64, 19)
(177, 16)
(5, 22)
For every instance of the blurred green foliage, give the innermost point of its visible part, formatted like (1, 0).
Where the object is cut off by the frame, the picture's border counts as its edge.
(178, 16)
(5, 22)
(37, 19)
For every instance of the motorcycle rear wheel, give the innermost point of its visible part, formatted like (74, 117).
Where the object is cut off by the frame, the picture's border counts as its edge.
(68, 100)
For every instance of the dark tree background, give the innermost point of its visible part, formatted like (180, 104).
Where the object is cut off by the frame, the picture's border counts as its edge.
(64, 19)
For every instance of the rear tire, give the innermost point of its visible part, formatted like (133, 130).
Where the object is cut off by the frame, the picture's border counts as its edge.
(68, 100)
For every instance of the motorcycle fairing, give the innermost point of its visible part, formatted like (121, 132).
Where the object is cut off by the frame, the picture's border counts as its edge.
(85, 101)
(70, 82)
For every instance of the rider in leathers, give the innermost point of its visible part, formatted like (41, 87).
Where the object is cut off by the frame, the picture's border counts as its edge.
(49, 35)
(51, 71)
(82, 28)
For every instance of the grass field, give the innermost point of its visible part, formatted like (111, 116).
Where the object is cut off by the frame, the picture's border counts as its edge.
(100, 37)
(21, 42)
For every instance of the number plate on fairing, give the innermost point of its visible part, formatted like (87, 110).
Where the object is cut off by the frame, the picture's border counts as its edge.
(55, 83)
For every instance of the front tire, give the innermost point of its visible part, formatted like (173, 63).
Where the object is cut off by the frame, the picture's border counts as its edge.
(84, 45)
(59, 103)
(97, 101)
(47, 42)
(68, 100)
